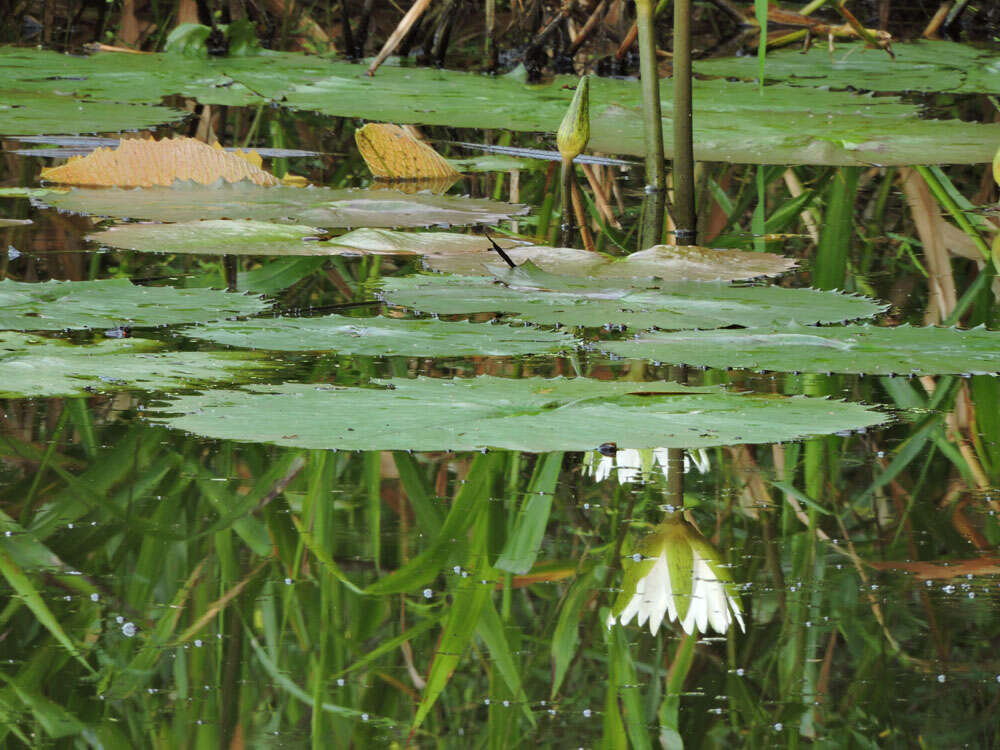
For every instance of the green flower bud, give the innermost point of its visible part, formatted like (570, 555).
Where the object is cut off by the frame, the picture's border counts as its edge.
(574, 132)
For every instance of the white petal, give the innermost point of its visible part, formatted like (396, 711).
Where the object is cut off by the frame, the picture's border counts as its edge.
(734, 605)
(700, 459)
(659, 593)
(630, 610)
(610, 621)
(604, 467)
(718, 608)
(629, 464)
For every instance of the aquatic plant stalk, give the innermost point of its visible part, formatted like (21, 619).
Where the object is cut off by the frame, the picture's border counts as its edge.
(684, 184)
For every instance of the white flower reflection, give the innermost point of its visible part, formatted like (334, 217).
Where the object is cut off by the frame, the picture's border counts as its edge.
(631, 464)
(677, 575)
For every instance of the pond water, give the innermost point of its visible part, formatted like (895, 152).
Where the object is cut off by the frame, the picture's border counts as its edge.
(355, 504)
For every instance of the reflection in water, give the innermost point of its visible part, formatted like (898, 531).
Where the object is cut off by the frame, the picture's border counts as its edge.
(631, 465)
(676, 574)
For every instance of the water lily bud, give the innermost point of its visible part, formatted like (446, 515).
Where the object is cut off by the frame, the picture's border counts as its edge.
(574, 132)
(675, 574)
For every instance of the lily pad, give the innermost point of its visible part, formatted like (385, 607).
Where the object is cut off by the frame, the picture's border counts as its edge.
(36, 367)
(662, 261)
(539, 298)
(265, 238)
(314, 206)
(733, 121)
(442, 251)
(383, 336)
(925, 65)
(59, 305)
(532, 414)
(853, 349)
(34, 113)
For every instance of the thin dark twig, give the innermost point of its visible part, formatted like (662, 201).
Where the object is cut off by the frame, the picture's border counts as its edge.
(499, 250)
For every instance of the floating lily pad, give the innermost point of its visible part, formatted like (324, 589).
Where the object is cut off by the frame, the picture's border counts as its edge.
(530, 414)
(216, 237)
(540, 298)
(937, 66)
(58, 305)
(855, 349)
(663, 261)
(733, 121)
(378, 337)
(35, 366)
(442, 251)
(33, 113)
(22, 192)
(265, 238)
(314, 206)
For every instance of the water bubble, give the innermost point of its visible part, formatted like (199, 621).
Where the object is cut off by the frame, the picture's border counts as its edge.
(637, 557)
(129, 629)
(95, 597)
(740, 672)
(119, 619)
(340, 682)
(506, 704)
(948, 589)
(587, 713)
(428, 593)
(197, 643)
(941, 678)
(778, 727)
(288, 581)
(486, 702)
(457, 569)
(364, 717)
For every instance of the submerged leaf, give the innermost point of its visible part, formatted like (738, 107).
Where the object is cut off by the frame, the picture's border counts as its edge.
(392, 153)
(146, 162)
(532, 414)
(58, 305)
(379, 337)
(35, 366)
(855, 349)
(545, 298)
(314, 206)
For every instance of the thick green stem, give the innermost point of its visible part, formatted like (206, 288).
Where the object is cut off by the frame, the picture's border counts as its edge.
(652, 119)
(566, 197)
(684, 185)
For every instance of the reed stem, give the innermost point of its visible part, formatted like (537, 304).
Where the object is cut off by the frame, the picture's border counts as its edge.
(684, 185)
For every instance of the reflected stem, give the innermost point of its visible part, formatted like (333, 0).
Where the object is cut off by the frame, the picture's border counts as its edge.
(230, 270)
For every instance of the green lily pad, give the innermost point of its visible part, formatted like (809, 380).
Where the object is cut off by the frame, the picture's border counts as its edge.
(377, 337)
(733, 121)
(936, 66)
(528, 294)
(35, 113)
(854, 349)
(442, 251)
(313, 206)
(265, 238)
(59, 305)
(22, 192)
(532, 414)
(37, 367)
(662, 261)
